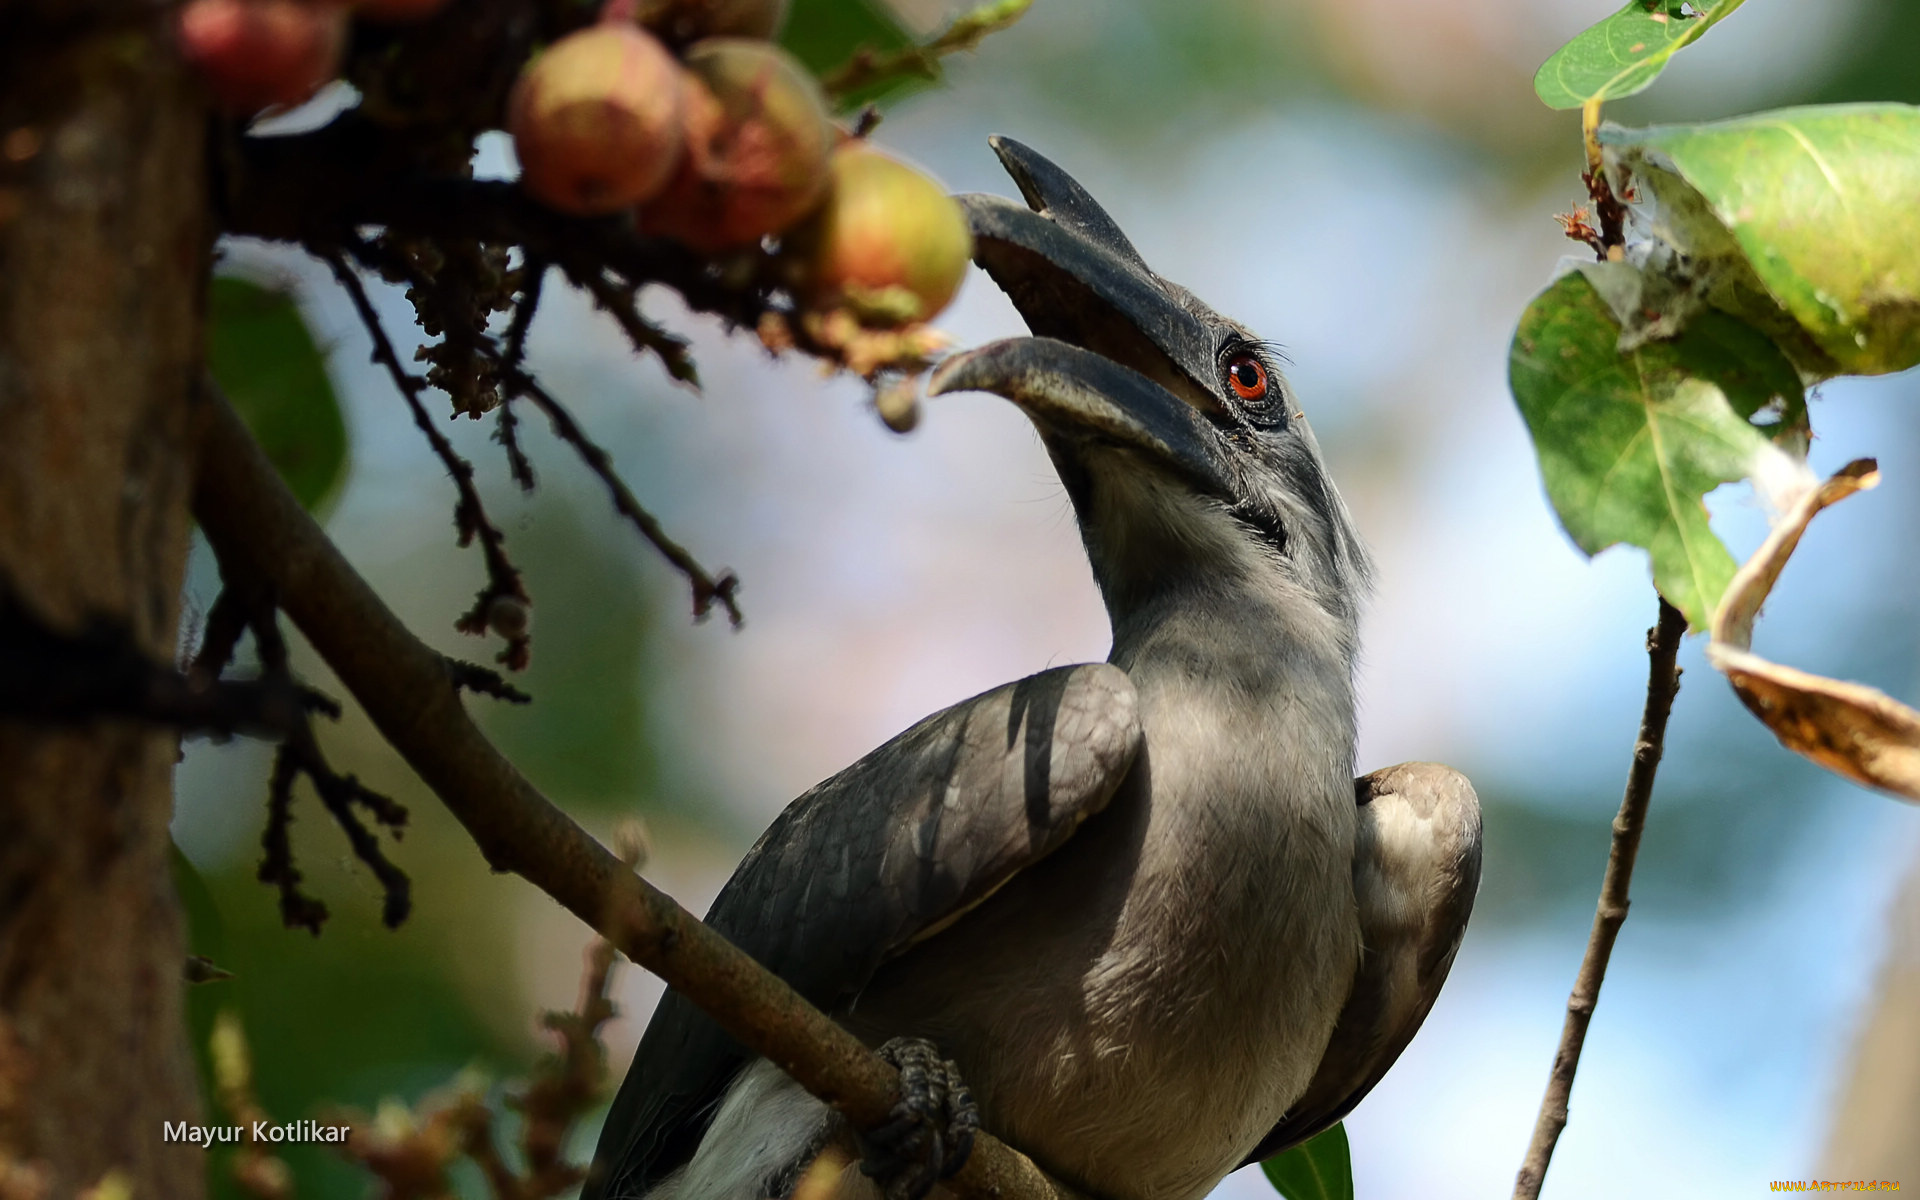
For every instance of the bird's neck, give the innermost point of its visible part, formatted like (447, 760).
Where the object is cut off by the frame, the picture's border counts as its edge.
(1202, 606)
(1264, 645)
(1232, 634)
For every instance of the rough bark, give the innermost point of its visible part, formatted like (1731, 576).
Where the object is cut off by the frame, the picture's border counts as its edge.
(102, 253)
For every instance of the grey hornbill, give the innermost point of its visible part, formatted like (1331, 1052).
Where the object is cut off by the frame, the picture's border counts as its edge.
(1141, 906)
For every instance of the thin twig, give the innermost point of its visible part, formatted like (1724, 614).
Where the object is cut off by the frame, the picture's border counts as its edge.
(246, 604)
(470, 516)
(250, 516)
(1663, 683)
(300, 754)
(340, 793)
(620, 302)
(707, 589)
(485, 681)
(297, 909)
(478, 1142)
(507, 432)
(868, 68)
(413, 1156)
(533, 277)
(569, 1083)
(220, 637)
(1610, 242)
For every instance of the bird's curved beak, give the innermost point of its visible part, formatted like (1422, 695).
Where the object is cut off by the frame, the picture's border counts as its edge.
(1117, 357)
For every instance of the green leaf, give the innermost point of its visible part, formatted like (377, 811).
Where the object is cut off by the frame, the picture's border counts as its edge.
(1821, 205)
(263, 357)
(1631, 441)
(825, 34)
(1318, 1169)
(1624, 53)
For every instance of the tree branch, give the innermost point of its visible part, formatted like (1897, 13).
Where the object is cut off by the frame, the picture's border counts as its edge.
(1663, 683)
(316, 189)
(50, 676)
(405, 688)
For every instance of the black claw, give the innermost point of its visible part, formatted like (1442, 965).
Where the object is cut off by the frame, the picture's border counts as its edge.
(965, 1123)
(931, 1131)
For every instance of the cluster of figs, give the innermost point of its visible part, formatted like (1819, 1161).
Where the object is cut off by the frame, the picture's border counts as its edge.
(721, 146)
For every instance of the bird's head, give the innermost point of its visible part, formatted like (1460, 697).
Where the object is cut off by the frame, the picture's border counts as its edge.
(1195, 479)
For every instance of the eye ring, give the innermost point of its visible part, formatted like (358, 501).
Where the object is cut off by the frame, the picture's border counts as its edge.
(1247, 376)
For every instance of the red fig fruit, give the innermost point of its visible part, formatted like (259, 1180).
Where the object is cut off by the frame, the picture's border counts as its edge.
(596, 120)
(889, 243)
(255, 53)
(757, 141)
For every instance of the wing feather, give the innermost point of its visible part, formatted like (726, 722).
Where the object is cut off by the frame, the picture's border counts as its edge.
(1416, 869)
(880, 856)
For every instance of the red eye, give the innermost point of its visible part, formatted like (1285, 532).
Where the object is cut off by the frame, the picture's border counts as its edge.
(1248, 377)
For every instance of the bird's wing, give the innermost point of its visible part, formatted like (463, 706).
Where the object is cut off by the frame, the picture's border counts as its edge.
(885, 853)
(1416, 869)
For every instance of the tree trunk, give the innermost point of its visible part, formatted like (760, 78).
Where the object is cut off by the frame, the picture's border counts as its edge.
(103, 247)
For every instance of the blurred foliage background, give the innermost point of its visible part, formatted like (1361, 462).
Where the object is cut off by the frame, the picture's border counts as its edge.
(1368, 181)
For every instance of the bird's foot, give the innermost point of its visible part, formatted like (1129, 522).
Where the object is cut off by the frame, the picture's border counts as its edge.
(932, 1127)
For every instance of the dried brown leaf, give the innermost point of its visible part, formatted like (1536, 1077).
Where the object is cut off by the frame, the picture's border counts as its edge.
(1848, 728)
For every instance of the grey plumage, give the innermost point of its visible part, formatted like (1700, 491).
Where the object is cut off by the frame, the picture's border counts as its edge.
(1416, 865)
(875, 858)
(1140, 904)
